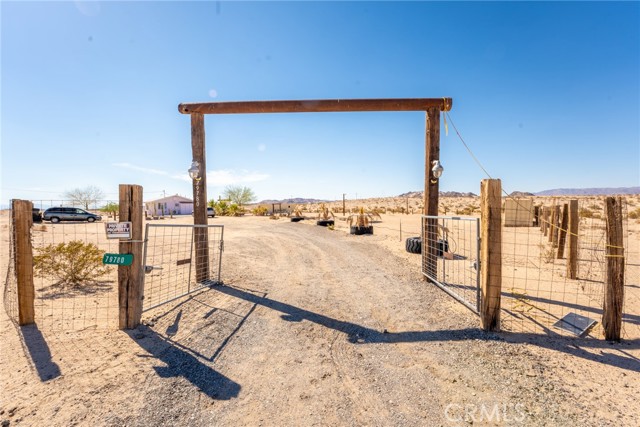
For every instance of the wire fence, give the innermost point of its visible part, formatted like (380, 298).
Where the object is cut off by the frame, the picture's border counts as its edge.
(453, 260)
(537, 289)
(10, 292)
(180, 259)
(73, 289)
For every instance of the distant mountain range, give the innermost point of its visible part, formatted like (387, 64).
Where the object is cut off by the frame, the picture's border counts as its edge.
(589, 191)
(412, 194)
(554, 192)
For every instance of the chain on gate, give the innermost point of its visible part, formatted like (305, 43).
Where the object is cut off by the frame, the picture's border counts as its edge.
(180, 259)
(451, 257)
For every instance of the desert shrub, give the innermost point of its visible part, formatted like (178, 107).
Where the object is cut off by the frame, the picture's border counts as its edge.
(585, 213)
(235, 210)
(260, 211)
(221, 208)
(635, 214)
(74, 263)
(546, 254)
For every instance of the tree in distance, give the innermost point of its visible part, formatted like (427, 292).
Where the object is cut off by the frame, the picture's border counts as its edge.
(111, 208)
(84, 196)
(239, 195)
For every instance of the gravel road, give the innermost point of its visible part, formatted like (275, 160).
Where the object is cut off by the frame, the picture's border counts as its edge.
(312, 327)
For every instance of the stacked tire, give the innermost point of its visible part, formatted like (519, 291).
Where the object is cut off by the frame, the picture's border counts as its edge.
(358, 231)
(413, 245)
(325, 222)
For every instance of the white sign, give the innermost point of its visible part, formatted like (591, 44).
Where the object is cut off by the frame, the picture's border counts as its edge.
(118, 230)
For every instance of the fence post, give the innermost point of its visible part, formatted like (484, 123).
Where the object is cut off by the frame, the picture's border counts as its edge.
(490, 253)
(130, 278)
(572, 249)
(614, 292)
(22, 220)
(562, 237)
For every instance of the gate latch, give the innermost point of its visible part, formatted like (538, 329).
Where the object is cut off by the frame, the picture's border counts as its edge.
(149, 268)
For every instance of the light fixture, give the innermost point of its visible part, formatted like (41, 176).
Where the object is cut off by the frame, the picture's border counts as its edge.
(437, 169)
(194, 171)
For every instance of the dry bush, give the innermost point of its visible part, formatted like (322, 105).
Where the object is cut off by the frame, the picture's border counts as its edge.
(72, 264)
(546, 254)
(260, 211)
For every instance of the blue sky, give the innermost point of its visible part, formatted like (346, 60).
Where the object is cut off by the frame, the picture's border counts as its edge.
(547, 95)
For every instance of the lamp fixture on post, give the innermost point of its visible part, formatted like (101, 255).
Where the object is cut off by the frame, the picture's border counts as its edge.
(437, 169)
(194, 171)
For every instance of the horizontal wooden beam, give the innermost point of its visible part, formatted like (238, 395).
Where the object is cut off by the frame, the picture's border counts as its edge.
(316, 106)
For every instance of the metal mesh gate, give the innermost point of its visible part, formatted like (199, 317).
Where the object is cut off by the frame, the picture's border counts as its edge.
(180, 259)
(451, 257)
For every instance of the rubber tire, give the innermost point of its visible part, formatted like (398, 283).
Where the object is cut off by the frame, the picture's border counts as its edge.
(325, 222)
(358, 231)
(55, 220)
(296, 218)
(91, 219)
(413, 245)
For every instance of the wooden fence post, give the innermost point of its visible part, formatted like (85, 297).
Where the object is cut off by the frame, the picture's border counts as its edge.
(545, 220)
(23, 219)
(572, 249)
(614, 292)
(130, 278)
(562, 231)
(431, 194)
(200, 234)
(555, 220)
(490, 253)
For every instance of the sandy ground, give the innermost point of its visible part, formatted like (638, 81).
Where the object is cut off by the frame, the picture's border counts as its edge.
(314, 327)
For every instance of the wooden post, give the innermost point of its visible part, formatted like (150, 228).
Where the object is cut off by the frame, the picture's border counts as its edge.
(130, 278)
(572, 249)
(22, 220)
(490, 253)
(536, 216)
(431, 188)
(544, 226)
(201, 235)
(556, 225)
(344, 210)
(564, 225)
(614, 292)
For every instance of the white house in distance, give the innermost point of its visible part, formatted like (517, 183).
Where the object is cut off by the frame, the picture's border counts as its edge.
(170, 205)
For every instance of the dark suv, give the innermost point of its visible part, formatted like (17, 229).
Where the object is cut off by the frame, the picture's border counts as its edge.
(69, 214)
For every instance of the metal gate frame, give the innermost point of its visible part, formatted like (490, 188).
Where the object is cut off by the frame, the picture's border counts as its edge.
(440, 277)
(198, 285)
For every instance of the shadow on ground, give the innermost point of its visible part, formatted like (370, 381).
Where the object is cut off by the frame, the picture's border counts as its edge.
(181, 363)
(38, 351)
(618, 355)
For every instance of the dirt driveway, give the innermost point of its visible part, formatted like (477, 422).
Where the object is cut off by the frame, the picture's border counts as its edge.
(313, 327)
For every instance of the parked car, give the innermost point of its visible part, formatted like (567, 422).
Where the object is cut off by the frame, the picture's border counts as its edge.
(211, 212)
(37, 215)
(58, 214)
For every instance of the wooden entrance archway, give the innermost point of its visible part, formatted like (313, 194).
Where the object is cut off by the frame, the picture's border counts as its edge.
(431, 106)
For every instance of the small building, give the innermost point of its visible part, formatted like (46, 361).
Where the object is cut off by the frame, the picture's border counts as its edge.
(170, 205)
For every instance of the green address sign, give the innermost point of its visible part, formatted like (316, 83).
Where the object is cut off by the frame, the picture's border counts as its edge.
(117, 259)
